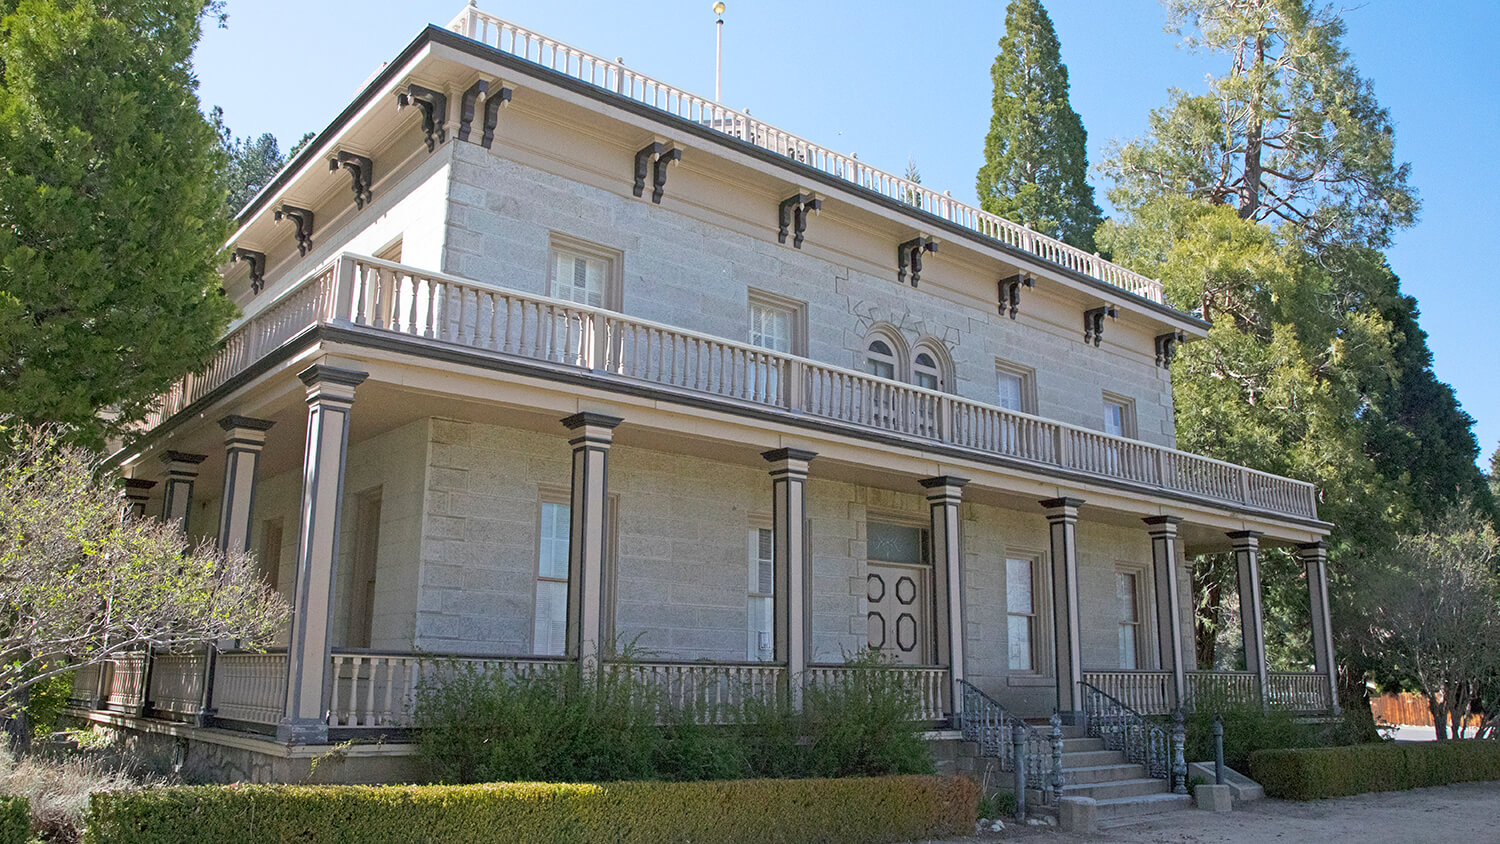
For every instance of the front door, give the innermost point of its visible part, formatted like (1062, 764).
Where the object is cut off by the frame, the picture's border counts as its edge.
(897, 617)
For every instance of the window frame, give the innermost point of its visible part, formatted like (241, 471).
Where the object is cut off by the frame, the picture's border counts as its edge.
(900, 356)
(752, 652)
(614, 267)
(1146, 656)
(561, 498)
(796, 322)
(941, 368)
(1027, 377)
(1042, 633)
(1126, 404)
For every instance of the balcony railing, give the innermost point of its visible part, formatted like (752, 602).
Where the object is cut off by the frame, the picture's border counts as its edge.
(613, 76)
(414, 303)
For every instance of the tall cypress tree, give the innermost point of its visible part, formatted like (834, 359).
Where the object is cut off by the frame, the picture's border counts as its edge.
(1035, 155)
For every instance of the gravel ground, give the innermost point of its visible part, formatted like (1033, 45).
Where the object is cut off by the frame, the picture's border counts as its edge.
(1469, 813)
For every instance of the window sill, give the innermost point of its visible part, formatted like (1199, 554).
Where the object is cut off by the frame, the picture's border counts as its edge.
(1028, 680)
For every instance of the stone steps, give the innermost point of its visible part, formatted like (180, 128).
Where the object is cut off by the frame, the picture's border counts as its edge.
(1116, 789)
(1088, 774)
(1131, 808)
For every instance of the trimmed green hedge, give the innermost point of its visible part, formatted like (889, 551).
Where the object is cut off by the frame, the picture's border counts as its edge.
(1315, 773)
(15, 820)
(731, 811)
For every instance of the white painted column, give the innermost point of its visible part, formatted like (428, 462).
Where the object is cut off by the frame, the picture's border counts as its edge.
(1246, 544)
(793, 575)
(944, 495)
(330, 396)
(244, 438)
(588, 534)
(1163, 530)
(1062, 519)
(1315, 558)
(177, 495)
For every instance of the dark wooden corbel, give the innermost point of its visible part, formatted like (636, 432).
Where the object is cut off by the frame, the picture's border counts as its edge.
(643, 161)
(1093, 323)
(303, 218)
(257, 263)
(1010, 293)
(1166, 347)
(434, 108)
(361, 170)
(468, 104)
(659, 173)
(909, 257)
(492, 106)
(791, 217)
(492, 103)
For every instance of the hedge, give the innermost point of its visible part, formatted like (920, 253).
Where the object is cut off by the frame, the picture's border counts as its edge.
(872, 809)
(15, 820)
(1314, 773)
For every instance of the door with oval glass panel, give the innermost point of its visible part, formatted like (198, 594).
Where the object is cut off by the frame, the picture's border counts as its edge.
(898, 592)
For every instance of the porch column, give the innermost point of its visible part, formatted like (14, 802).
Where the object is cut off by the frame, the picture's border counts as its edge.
(1315, 557)
(137, 495)
(244, 438)
(1163, 531)
(793, 577)
(587, 534)
(1062, 517)
(177, 495)
(944, 494)
(330, 396)
(1246, 544)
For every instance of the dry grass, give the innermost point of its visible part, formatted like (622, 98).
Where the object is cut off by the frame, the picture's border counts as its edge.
(58, 784)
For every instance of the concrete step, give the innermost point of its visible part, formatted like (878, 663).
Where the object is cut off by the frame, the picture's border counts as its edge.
(1117, 789)
(1091, 758)
(1118, 809)
(1045, 726)
(1104, 773)
(1078, 745)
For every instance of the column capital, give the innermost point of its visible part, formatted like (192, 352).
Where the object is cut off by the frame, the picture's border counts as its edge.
(1317, 549)
(139, 486)
(180, 462)
(245, 432)
(778, 455)
(1061, 508)
(1245, 539)
(248, 423)
(590, 419)
(331, 383)
(1162, 525)
(944, 482)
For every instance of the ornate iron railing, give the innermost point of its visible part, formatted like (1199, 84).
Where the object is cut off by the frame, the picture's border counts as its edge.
(1154, 746)
(986, 722)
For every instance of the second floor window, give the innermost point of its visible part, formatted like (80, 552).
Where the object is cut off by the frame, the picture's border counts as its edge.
(580, 278)
(1119, 416)
(925, 371)
(1010, 389)
(880, 359)
(771, 326)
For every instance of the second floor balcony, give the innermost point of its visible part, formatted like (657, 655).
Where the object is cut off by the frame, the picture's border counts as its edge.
(434, 313)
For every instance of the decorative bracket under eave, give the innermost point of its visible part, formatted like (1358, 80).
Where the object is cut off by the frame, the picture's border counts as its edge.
(361, 170)
(1010, 293)
(1093, 323)
(1166, 347)
(909, 257)
(434, 108)
(492, 103)
(304, 220)
(655, 157)
(257, 262)
(792, 217)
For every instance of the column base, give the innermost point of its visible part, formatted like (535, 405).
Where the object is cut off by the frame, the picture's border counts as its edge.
(302, 731)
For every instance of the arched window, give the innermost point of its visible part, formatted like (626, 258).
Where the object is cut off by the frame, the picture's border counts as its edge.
(925, 371)
(880, 358)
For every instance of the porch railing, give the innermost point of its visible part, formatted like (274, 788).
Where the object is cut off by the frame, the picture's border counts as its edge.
(379, 689)
(714, 693)
(176, 683)
(1147, 692)
(1213, 689)
(414, 303)
(929, 686)
(126, 677)
(86, 684)
(250, 687)
(613, 76)
(1301, 691)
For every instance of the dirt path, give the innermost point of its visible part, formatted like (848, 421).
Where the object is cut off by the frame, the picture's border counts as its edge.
(1469, 812)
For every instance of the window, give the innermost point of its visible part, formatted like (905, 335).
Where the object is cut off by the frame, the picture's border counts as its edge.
(550, 623)
(1021, 611)
(762, 643)
(775, 325)
(770, 327)
(362, 580)
(270, 552)
(880, 359)
(1128, 602)
(584, 273)
(927, 369)
(1119, 416)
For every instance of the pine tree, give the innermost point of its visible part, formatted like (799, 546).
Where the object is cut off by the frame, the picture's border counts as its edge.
(252, 165)
(1036, 153)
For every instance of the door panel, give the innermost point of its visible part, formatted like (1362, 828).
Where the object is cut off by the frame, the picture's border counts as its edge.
(897, 617)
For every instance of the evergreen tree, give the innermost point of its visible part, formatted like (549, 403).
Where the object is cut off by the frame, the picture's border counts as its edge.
(252, 165)
(111, 208)
(1036, 153)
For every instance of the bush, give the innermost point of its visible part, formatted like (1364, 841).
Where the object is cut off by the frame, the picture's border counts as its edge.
(56, 788)
(1248, 728)
(15, 820)
(843, 810)
(862, 725)
(1312, 774)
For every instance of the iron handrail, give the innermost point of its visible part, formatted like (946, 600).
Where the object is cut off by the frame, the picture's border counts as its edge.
(1154, 746)
(986, 722)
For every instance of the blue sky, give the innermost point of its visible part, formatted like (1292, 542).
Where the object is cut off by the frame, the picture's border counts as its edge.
(891, 79)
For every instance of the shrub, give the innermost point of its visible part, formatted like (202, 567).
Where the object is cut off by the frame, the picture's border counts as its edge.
(844, 810)
(15, 820)
(1315, 773)
(56, 788)
(862, 725)
(1248, 728)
